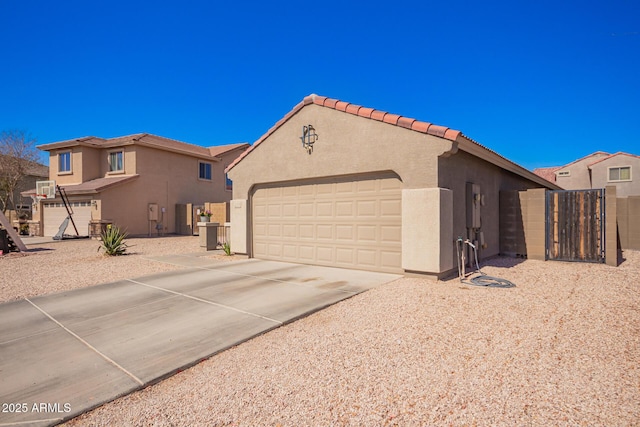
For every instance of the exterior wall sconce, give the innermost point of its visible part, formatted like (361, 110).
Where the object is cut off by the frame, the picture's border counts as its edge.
(308, 137)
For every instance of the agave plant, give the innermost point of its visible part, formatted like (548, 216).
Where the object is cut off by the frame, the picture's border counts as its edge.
(113, 241)
(226, 248)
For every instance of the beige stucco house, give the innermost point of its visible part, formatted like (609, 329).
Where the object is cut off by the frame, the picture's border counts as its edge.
(133, 181)
(598, 170)
(334, 183)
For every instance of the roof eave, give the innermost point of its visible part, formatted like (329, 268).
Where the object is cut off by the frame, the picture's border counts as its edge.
(473, 148)
(202, 156)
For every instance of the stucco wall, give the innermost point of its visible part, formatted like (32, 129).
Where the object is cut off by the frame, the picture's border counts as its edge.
(75, 176)
(455, 171)
(166, 179)
(347, 144)
(579, 178)
(600, 175)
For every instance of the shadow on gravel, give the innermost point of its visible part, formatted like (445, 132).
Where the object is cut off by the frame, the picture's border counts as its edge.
(501, 262)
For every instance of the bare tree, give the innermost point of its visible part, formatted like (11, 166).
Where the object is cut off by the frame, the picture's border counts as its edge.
(18, 154)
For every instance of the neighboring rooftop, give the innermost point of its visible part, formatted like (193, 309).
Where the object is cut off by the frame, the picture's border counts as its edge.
(145, 139)
(549, 173)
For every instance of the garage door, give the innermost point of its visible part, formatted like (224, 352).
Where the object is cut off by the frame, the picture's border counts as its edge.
(54, 213)
(346, 223)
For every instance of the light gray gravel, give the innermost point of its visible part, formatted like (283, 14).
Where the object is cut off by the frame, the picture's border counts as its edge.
(562, 348)
(70, 264)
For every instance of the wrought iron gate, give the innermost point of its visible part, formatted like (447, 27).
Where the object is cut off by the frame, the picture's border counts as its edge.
(575, 225)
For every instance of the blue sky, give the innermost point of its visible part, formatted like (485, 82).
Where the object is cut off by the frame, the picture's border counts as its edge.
(541, 83)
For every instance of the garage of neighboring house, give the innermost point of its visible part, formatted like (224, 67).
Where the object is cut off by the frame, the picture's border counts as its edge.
(338, 184)
(55, 212)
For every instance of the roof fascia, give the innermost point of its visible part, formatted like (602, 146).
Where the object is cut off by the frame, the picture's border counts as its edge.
(473, 148)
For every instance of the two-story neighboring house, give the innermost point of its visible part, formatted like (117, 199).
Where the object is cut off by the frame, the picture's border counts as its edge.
(133, 181)
(598, 170)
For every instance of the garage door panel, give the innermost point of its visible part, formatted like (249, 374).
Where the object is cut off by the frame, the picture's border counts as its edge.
(367, 257)
(306, 231)
(343, 188)
(344, 209)
(289, 251)
(324, 209)
(275, 250)
(353, 224)
(289, 192)
(366, 208)
(306, 210)
(325, 231)
(391, 234)
(345, 256)
(325, 189)
(289, 230)
(275, 230)
(305, 190)
(369, 186)
(290, 210)
(324, 254)
(391, 208)
(390, 259)
(367, 233)
(306, 253)
(344, 232)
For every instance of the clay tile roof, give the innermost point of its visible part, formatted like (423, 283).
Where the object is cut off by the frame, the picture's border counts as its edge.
(365, 112)
(378, 115)
(222, 149)
(341, 106)
(353, 109)
(619, 153)
(405, 122)
(331, 103)
(391, 118)
(420, 126)
(547, 173)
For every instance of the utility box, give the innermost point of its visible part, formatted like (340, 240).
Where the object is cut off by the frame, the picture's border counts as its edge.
(208, 235)
(153, 211)
(473, 201)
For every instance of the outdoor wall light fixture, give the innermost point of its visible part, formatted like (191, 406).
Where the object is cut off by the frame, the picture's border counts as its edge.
(308, 137)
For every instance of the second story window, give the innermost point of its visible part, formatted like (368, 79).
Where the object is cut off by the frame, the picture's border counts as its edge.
(116, 161)
(205, 171)
(228, 184)
(622, 173)
(64, 162)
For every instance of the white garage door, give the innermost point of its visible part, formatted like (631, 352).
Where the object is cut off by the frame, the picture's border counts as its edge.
(350, 224)
(54, 213)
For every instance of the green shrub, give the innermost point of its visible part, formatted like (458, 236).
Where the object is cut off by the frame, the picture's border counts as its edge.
(226, 248)
(113, 241)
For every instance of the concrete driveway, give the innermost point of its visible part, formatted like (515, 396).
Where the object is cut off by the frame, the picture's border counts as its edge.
(66, 353)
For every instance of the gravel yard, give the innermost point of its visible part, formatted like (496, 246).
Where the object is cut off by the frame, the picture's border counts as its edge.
(561, 348)
(70, 264)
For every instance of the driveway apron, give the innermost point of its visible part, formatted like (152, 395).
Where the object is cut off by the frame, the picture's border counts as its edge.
(64, 354)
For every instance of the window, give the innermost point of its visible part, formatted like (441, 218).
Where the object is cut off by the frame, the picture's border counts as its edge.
(205, 171)
(622, 173)
(564, 173)
(64, 162)
(228, 184)
(116, 161)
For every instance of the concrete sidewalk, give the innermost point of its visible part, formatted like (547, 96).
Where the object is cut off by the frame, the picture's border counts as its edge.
(63, 354)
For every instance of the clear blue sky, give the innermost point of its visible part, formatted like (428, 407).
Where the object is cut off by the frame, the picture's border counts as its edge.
(541, 83)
